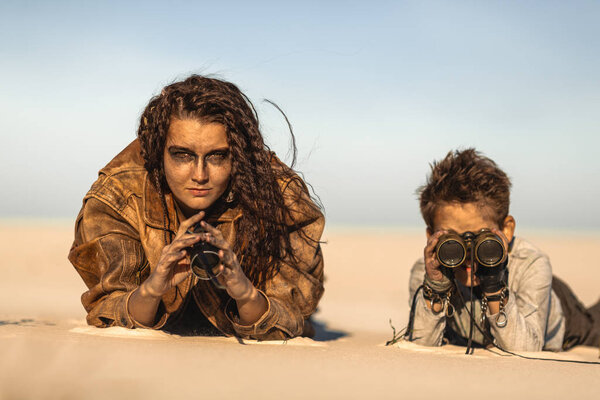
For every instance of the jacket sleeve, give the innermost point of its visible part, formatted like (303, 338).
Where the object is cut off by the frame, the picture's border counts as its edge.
(293, 293)
(527, 309)
(428, 327)
(108, 255)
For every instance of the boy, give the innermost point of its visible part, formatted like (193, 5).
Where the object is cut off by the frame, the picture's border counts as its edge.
(517, 304)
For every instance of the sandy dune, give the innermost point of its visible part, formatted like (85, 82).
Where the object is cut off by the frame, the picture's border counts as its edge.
(48, 352)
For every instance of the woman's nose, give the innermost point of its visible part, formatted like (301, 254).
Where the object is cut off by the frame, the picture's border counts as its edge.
(200, 172)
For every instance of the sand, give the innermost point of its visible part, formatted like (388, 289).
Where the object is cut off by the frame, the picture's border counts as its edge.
(48, 352)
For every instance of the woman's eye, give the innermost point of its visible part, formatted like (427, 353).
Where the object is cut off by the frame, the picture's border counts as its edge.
(217, 157)
(183, 156)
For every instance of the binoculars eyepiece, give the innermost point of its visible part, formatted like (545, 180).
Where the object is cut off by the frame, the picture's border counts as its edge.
(204, 257)
(452, 249)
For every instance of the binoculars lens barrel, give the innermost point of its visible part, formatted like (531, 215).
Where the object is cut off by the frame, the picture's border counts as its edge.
(451, 250)
(490, 252)
(451, 253)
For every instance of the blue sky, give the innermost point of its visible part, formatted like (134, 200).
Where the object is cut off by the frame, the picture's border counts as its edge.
(375, 92)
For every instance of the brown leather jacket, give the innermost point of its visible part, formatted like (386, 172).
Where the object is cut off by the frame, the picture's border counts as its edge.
(119, 236)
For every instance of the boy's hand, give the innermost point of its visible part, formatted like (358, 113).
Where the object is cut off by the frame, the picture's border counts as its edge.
(432, 264)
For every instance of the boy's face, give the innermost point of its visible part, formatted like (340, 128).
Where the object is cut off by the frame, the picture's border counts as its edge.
(471, 217)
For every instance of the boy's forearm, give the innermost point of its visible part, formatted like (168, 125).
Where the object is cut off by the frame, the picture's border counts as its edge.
(428, 328)
(520, 333)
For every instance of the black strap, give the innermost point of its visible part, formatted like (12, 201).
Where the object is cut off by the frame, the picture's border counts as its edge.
(411, 318)
(470, 348)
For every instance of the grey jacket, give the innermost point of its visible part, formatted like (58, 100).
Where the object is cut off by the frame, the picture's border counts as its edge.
(535, 316)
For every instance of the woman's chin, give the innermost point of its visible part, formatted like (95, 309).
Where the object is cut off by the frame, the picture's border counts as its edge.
(196, 204)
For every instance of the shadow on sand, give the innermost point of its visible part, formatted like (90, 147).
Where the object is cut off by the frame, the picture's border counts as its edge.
(25, 322)
(325, 334)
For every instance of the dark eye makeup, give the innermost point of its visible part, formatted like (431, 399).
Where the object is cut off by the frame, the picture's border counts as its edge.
(218, 155)
(184, 154)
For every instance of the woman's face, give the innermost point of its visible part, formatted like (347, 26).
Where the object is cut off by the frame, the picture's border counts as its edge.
(197, 162)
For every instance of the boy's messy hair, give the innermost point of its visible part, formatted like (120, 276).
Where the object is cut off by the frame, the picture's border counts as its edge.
(466, 176)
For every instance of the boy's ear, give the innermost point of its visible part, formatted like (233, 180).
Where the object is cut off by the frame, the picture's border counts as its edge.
(508, 227)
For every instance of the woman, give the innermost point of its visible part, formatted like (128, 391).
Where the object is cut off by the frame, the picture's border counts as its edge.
(200, 162)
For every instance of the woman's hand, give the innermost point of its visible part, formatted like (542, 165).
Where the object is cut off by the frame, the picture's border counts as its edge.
(250, 303)
(172, 269)
(432, 264)
(173, 266)
(229, 272)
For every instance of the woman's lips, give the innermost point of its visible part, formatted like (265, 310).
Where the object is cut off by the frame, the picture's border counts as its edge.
(199, 192)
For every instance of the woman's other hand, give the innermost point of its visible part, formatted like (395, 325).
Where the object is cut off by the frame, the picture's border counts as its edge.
(229, 272)
(250, 303)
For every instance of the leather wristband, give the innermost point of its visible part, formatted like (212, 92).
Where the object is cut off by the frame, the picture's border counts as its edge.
(497, 297)
(439, 287)
(440, 295)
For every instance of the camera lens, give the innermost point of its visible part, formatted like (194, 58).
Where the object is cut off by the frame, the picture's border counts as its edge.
(204, 259)
(490, 252)
(451, 253)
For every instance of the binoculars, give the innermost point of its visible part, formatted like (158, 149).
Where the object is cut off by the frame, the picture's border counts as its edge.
(204, 257)
(487, 248)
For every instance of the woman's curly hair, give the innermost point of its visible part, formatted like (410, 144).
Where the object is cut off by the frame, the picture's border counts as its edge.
(466, 176)
(263, 231)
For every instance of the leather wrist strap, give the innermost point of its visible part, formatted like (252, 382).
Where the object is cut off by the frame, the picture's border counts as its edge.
(441, 298)
(497, 297)
(439, 287)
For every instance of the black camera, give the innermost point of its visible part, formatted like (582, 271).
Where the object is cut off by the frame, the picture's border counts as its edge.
(452, 248)
(204, 257)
